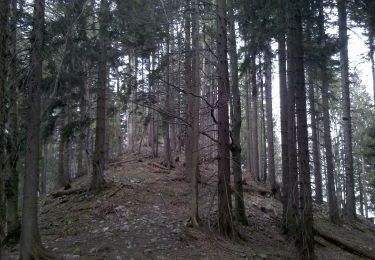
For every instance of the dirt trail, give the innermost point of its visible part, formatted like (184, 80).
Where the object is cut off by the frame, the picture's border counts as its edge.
(143, 215)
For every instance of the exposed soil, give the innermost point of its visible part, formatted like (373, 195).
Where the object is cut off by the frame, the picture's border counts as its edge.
(143, 214)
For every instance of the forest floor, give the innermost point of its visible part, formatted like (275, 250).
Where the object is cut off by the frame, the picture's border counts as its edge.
(143, 214)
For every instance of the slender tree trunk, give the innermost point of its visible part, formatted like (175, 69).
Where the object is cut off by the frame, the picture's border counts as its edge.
(97, 180)
(363, 183)
(291, 215)
(166, 116)
(372, 59)
(31, 245)
(311, 72)
(346, 115)
(13, 222)
(131, 111)
(224, 193)
(239, 205)
(270, 140)
(254, 117)
(248, 126)
(262, 130)
(283, 114)
(315, 141)
(43, 183)
(84, 117)
(4, 13)
(360, 188)
(188, 85)
(193, 104)
(332, 201)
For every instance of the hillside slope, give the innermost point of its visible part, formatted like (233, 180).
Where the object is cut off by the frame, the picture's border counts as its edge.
(143, 214)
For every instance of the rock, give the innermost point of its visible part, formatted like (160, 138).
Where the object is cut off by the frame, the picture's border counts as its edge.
(125, 228)
(147, 251)
(105, 229)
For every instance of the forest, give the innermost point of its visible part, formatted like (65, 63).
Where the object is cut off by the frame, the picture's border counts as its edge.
(187, 129)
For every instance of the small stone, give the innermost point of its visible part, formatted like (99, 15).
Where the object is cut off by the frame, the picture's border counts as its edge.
(77, 251)
(105, 229)
(147, 251)
(125, 228)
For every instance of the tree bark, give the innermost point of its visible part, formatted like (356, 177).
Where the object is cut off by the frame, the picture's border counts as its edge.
(332, 200)
(270, 139)
(166, 118)
(254, 117)
(291, 215)
(131, 110)
(224, 193)
(193, 105)
(296, 79)
(97, 180)
(31, 245)
(187, 74)
(283, 112)
(239, 205)
(372, 59)
(13, 222)
(346, 115)
(84, 117)
(312, 77)
(4, 13)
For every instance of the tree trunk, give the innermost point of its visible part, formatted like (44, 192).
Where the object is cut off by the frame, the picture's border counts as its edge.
(254, 121)
(193, 106)
(283, 113)
(31, 245)
(312, 77)
(248, 126)
(239, 205)
(188, 85)
(131, 110)
(372, 59)
(262, 138)
(166, 118)
(13, 222)
(43, 182)
(4, 13)
(346, 115)
(291, 215)
(84, 117)
(224, 193)
(97, 180)
(332, 201)
(270, 140)
(315, 141)
(296, 79)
